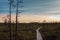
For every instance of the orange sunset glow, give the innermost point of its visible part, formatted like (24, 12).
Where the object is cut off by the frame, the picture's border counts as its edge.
(32, 18)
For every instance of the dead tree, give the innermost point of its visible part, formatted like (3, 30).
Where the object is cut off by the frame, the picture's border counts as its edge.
(17, 12)
(5, 21)
(16, 5)
(9, 24)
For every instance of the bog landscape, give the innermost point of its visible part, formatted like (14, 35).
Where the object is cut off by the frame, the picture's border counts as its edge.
(27, 31)
(29, 19)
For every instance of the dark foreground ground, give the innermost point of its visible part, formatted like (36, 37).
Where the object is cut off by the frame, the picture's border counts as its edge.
(27, 31)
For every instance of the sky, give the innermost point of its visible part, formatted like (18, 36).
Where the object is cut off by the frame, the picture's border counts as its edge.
(34, 7)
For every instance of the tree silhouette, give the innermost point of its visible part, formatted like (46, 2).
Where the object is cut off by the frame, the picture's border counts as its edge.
(17, 12)
(14, 4)
(5, 21)
(9, 25)
(44, 21)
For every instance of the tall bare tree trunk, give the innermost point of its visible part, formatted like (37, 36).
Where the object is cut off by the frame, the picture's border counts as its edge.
(10, 20)
(16, 20)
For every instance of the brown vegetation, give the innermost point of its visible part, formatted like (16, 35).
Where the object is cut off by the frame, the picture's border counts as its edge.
(27, 31)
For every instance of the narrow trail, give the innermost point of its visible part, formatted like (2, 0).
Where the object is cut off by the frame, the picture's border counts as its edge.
(39, 37)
